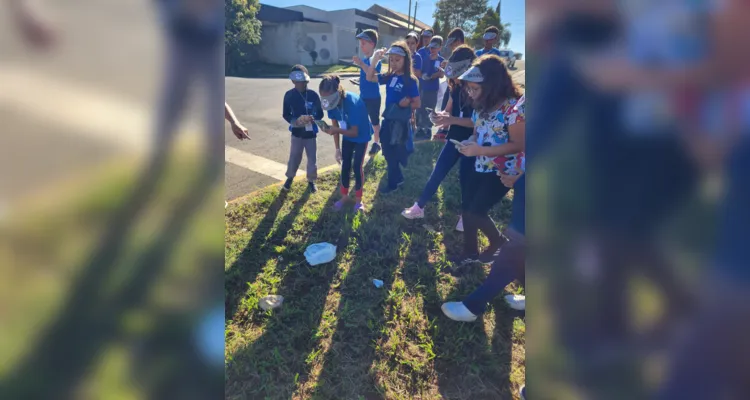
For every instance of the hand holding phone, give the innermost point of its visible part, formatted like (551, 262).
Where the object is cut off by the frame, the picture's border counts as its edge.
(457, 143)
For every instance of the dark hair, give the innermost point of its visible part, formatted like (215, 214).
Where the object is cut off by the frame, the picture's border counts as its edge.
(492, 29)
(462, 53)
(458, 34)
(372, 34)
(414, 35)
(408, 67)
(497, 87)
(331, 83)
(300, 67)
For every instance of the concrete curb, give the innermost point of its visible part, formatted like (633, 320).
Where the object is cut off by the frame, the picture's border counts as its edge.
(320, 172)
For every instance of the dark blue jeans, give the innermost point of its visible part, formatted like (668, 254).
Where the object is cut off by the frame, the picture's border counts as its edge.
(395, 156)
(445, 162)
(509, 265)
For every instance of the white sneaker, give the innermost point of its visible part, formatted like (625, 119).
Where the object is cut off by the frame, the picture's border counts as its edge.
(413, 212)
(460, 224)
(457, 311)
(516, 301)
(522, 392)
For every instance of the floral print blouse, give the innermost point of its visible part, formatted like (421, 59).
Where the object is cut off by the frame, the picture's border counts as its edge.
(492, 130)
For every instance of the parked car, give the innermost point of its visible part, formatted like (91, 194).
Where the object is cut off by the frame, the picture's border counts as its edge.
(509, 57)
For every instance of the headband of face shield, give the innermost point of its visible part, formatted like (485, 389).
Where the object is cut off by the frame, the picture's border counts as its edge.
(472, 75)
(457, 68)
(299, 76)
(396, 50)
(331, 101)
(489, 36)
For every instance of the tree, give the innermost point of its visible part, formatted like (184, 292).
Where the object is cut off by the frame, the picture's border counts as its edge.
(460, 13)
(436, 27)
(242, 30)
(491, 18)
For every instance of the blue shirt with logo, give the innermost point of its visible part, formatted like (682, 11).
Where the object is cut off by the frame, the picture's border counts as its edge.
(353, 112)
(430, 67)
(397, 87)
(369, 90)
(493, 50)
(416, 62)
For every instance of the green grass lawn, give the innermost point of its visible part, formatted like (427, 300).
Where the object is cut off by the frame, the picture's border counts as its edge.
(73, 318)
(337, 336)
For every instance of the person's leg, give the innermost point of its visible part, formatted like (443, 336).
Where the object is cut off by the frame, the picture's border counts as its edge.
(445, 162)
(295, 157)
(311, 150)
(373, 110)
(471, 243)
(358, 158)
(428, 101)
(359, 174)
(491, 190)
(347, 151)
(509, 265)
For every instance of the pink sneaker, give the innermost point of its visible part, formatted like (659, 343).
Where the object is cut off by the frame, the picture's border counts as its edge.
(413, 212)
(460, 224)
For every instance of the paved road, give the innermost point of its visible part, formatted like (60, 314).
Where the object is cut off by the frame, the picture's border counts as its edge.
(261, 161)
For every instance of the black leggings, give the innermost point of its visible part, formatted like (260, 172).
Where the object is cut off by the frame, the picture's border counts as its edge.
(352, 153)
(484, 190)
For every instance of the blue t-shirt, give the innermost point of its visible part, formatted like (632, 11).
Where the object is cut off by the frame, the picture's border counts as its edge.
(493, 50)
(732, 250)
(368, 90)
(397, 87)
(430, 67)
(416, 62)
(354, 114)
(424, 52)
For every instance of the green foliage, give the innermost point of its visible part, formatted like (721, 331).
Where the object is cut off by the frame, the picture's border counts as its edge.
(491, 18)
(460, 13)
(437, 28)
(242, 31)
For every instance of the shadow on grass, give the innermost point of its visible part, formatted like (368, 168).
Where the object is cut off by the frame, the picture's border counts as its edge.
(270, 366)
(91, 317)
(258, 250)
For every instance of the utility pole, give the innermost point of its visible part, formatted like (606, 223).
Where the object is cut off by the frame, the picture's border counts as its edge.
(416, 3)
(408, 20)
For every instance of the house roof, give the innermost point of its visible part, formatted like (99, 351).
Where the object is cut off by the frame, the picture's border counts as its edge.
(275, 14)
(404, 17)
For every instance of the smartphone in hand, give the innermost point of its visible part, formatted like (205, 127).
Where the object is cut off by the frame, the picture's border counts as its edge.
(322, 125)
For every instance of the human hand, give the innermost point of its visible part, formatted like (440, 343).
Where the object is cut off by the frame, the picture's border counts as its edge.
(509, 180)
(240, 131)
(378, 54)
(443, 119)
(356, 60)
(470, 149)
(404, 102)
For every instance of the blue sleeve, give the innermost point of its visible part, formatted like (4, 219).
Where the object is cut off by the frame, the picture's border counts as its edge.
(417, 62)
(413, 89)
(379, 67)
(287, 109)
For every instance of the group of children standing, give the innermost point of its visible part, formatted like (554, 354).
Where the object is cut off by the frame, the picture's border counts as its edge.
(483, 119)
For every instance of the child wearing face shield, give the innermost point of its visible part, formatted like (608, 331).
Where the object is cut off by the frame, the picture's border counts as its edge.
(350, 117)
(490, 37)
(401, 99)
(301, 110)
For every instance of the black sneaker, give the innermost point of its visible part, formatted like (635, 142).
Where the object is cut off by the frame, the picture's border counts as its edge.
(375, 149)
(287, 184)
(311, 186)
(488, 256)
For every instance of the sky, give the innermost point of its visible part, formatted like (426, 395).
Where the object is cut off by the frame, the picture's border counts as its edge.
(513, 11)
